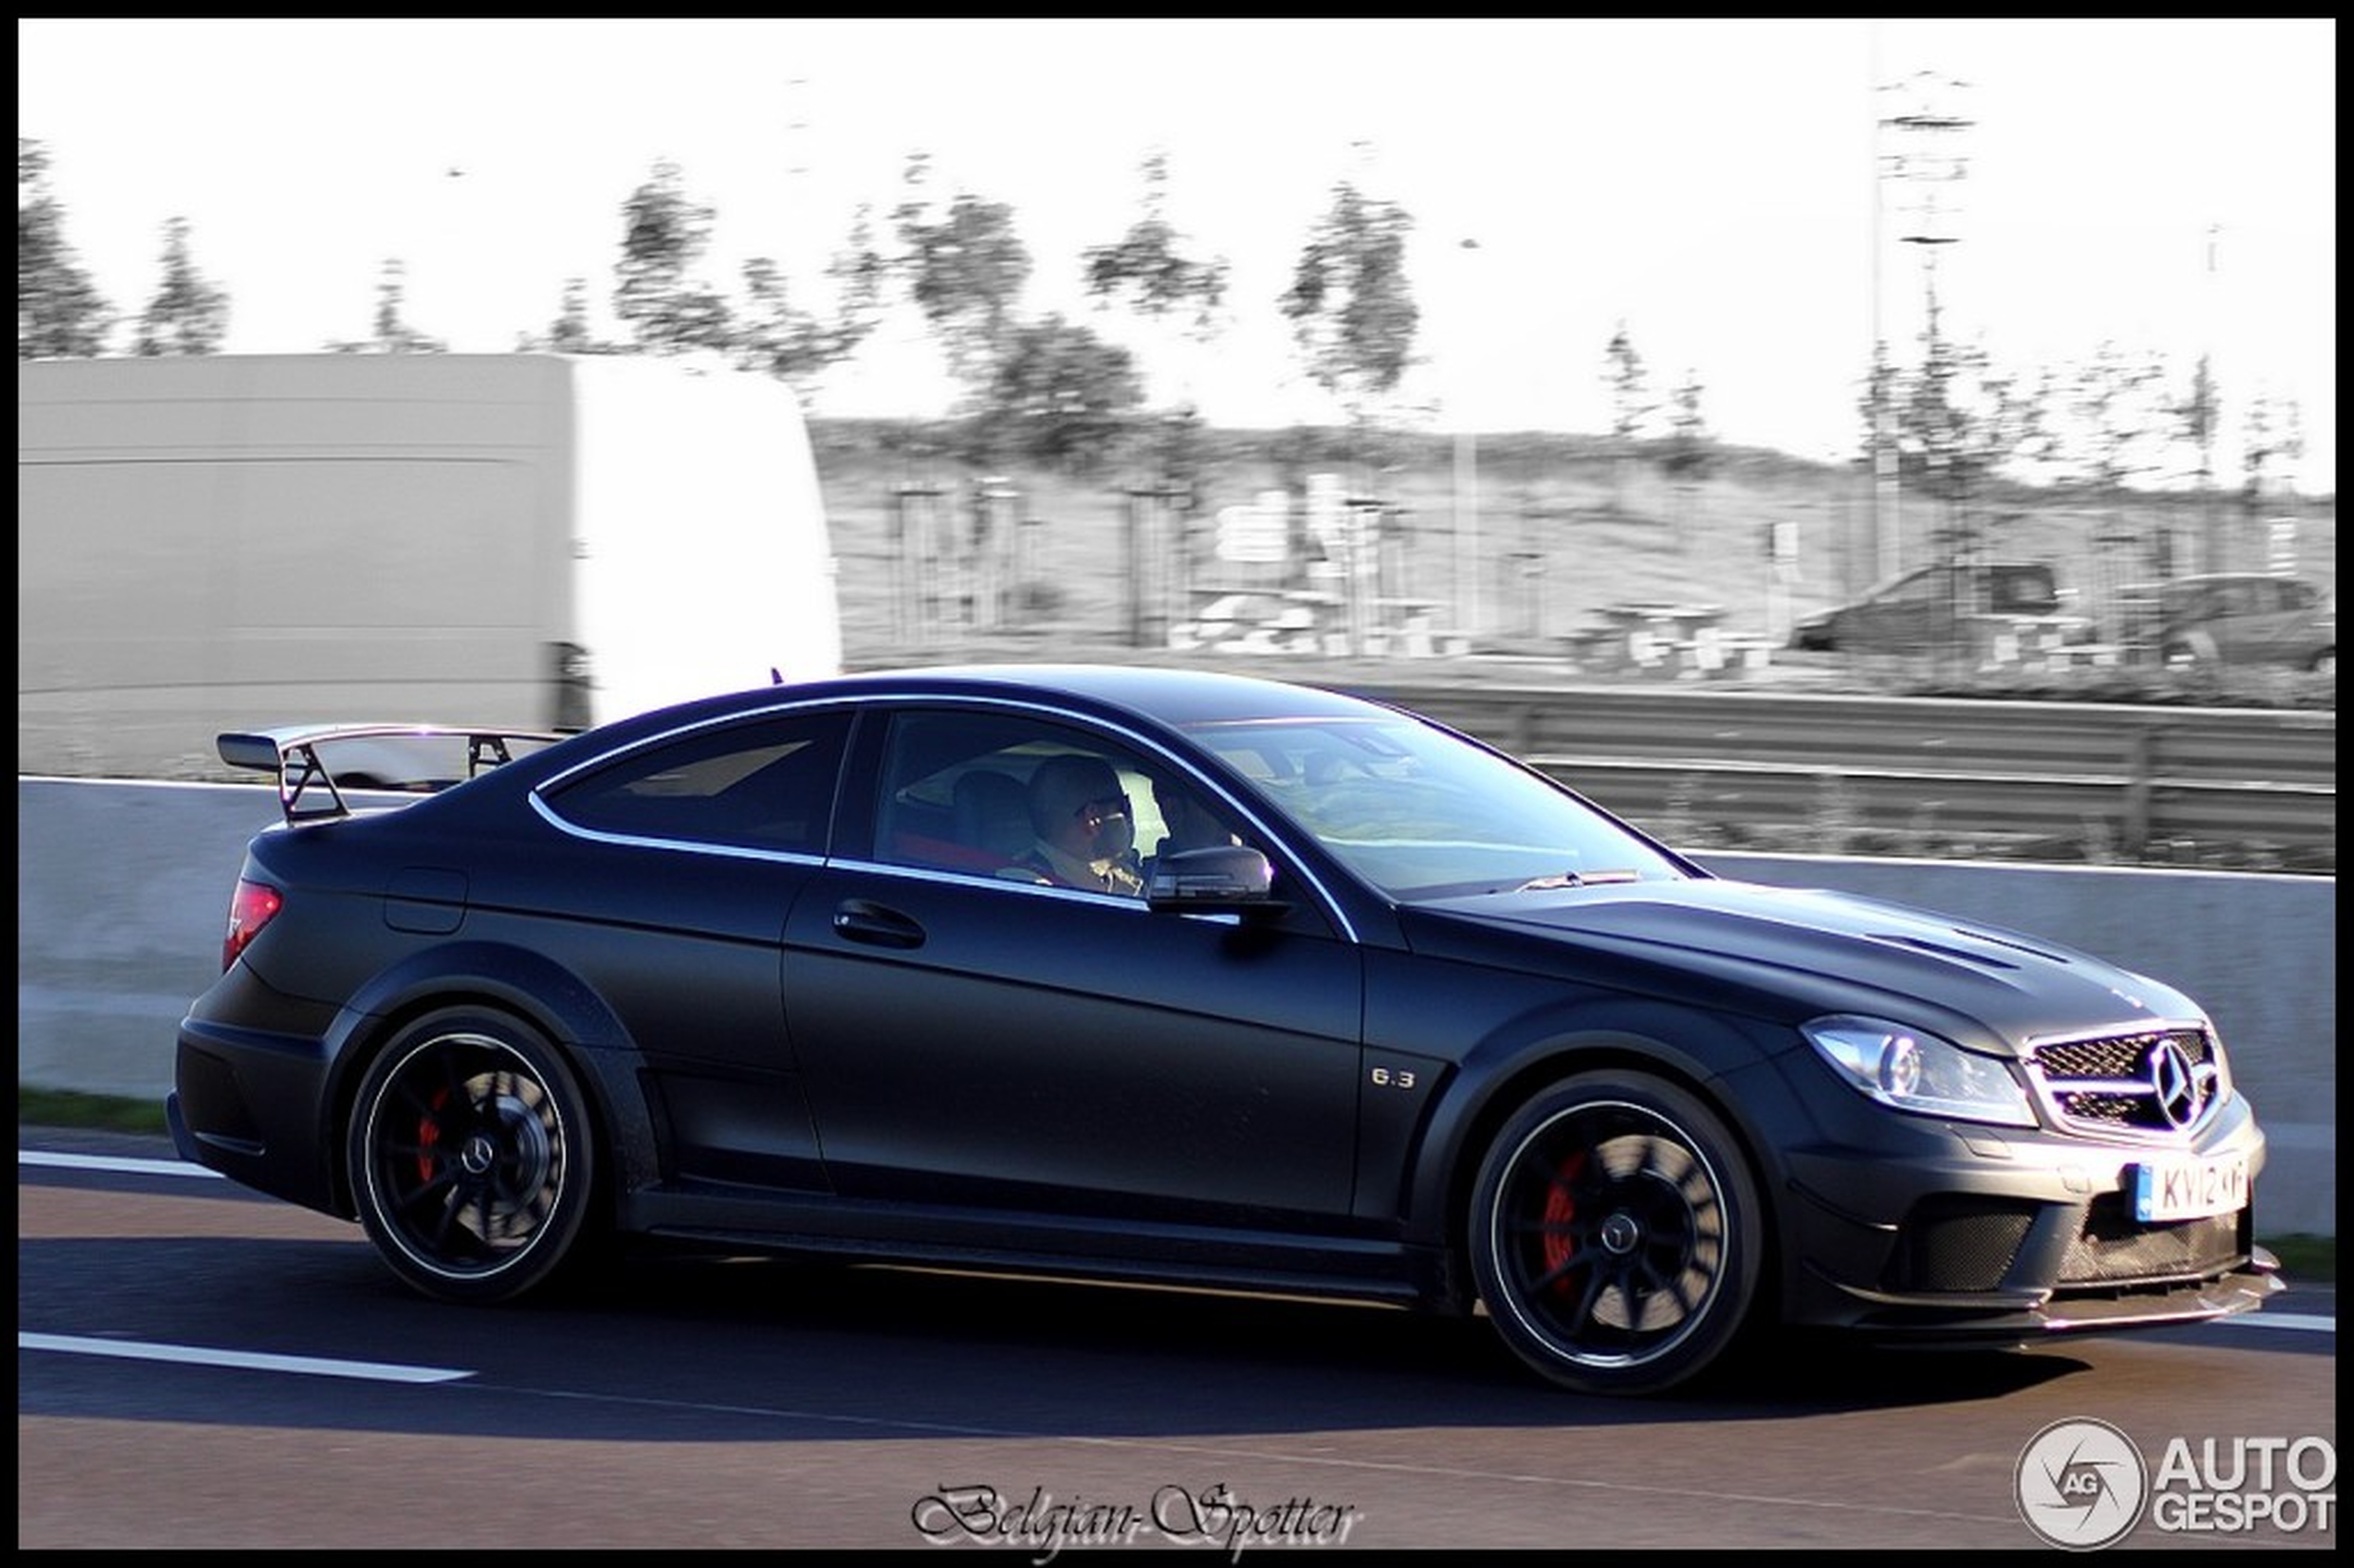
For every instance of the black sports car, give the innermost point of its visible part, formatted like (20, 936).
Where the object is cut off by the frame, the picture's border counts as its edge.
(1193, 979)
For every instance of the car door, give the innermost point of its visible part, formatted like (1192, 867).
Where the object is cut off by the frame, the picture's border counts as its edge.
(678, 862)
(981, 1041)
(1907, 616)
(2273, 627)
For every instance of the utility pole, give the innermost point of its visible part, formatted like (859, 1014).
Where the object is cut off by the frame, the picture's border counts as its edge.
(1466, 490)
(2203, 417)
(1927, 162)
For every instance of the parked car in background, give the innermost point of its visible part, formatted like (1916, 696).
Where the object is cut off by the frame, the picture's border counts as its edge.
(2231, 618)
(1205, 979)
(1934, 608)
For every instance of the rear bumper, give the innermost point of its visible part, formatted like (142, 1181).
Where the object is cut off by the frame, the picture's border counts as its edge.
(249, 1102)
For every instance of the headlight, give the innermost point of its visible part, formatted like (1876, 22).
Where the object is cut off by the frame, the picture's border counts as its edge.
(1908, 1070)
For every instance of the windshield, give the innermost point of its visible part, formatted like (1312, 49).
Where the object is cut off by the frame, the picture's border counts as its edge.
(1421, 814)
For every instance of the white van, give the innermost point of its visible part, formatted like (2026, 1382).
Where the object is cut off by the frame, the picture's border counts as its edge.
(517, 540)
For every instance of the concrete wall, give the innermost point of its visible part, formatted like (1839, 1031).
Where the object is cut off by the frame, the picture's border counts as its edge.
(122, 893)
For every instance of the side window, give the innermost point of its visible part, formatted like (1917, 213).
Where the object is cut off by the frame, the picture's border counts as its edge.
(1172, 815)
(767, 784)
(2024, 593)
(1015, 797)
(1922, 588)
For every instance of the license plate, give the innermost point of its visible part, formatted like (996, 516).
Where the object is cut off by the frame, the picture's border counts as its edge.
(2190, 1189)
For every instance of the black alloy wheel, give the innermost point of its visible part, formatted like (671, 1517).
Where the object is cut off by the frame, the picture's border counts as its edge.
(472, 1158)
(1616, 1234)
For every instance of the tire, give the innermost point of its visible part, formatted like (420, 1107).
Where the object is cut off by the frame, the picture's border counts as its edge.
(1617, 1235)
(472, 1158)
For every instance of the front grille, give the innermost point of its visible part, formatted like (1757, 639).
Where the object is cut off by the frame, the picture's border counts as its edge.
(2156, 1082)
(2115, 1248)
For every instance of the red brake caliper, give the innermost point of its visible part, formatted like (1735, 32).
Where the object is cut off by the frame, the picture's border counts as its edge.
(429, 1133)
(1560, 1209)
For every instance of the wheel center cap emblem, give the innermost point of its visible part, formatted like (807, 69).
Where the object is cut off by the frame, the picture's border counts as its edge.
(1620, 1233)
(480, 1154)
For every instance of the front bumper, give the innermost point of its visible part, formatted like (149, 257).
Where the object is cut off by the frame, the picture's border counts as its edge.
(1913, 1230)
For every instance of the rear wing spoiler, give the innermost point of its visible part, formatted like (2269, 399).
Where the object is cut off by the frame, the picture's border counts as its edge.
(370, 756)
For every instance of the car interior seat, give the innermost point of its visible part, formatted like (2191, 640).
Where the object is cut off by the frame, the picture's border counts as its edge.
(992, 813)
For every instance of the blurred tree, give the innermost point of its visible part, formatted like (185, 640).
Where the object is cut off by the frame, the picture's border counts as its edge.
(2195, 416)
(1876, 403)
(569, 333)
(2112, 399)
(393, 333)
(1629, 383)
(1146, 267)
(1351, 309)
(664, 234)
(859, 272)
(1148, 270)
(187, 314)
(1962, 421)
(61, 313)
(778, 339)
(2272, 441)
(1688, 454)
(1631, 408)
(1691, 452)
(1057, 395)
(965, 269)
(1954, 421)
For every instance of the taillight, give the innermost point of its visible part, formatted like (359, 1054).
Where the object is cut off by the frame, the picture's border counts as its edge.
(250, 909)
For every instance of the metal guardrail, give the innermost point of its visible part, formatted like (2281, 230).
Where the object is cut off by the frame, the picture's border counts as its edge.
(2133, 778)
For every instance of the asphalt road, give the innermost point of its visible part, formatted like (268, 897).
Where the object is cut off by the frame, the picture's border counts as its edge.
(201, 1368)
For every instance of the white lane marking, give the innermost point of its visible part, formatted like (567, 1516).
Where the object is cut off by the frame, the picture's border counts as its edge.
(199, 1356)
(113, 1162)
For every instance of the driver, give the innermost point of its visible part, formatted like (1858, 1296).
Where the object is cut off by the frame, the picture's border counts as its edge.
(1086, 834)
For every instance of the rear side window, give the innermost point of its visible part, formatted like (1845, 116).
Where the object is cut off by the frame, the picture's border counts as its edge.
(768, 784)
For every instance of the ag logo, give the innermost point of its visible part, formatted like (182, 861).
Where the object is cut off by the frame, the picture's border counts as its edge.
(2081, 1484)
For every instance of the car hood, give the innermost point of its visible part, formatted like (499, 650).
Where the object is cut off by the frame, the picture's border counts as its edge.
(1796, 953)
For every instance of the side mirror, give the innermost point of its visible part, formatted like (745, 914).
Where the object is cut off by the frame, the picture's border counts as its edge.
(1225, 878)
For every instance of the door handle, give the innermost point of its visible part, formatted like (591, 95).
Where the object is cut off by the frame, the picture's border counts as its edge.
(863, 921)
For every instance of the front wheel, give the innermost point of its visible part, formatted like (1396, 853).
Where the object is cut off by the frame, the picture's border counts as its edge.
(472, 1157)
(1616, 1234)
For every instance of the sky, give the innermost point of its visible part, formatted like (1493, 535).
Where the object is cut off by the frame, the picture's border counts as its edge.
(1717, 187)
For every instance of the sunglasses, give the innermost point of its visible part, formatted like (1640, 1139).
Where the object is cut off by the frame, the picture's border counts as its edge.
(1101, 807)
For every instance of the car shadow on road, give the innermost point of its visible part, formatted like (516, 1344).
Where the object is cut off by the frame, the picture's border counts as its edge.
(687, 1350)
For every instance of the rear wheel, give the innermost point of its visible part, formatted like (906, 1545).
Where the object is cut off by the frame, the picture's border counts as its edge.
(472, 1157)
(1616, 1234)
